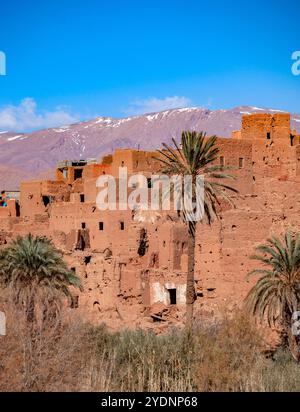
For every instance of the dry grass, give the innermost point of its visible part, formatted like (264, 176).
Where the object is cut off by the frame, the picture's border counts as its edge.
(227, 356)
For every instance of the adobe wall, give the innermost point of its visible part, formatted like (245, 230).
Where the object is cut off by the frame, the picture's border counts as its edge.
(264, 126)
(134, 264)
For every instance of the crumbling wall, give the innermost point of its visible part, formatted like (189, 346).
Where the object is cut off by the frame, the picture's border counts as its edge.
(134, 266)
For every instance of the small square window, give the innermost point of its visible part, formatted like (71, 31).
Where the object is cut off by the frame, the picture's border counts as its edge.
(78, 174)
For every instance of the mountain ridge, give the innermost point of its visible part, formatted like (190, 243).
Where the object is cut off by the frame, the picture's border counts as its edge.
(33, 154)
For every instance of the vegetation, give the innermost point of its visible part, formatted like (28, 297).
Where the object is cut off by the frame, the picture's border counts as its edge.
(196, 156)
(38, 354)
(37, 275)
(276, 295)
(225, 356)
(37, 278)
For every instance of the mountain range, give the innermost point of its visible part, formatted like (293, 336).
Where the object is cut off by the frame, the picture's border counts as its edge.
(34, 155)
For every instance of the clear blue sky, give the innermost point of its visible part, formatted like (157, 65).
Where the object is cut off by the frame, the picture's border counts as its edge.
(110, 57)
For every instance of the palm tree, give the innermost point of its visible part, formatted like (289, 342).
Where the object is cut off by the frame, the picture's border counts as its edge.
(196, 156)
(36, 273)
(276, 295)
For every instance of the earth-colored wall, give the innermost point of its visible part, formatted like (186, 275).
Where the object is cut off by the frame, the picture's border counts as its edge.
(131, 268)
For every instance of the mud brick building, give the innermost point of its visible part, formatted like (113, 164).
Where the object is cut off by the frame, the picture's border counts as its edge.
(133, 264)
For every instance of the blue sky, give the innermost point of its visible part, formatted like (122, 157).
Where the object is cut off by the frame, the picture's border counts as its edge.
(70, 60)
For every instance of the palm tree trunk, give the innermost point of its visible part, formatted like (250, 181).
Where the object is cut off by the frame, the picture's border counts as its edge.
(292, 340)
(190, 279)
(294, 346)
(30, 341)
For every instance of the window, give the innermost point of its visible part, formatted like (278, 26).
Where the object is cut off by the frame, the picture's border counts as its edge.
(122, 163)
(222, 161)
(74, 301)
(241, 162)
(149, 182)
(268, 135)
(83, 225)
(122, 225)
(73, 269)
(87, 260)
(77, 174)
(101, 226)
(172, 296)
(65, 173)
(46, 200)
(81, 198)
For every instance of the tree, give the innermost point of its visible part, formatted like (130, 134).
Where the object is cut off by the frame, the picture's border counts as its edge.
(37, 275)
(276, 295)
(35, 272)
(197, 155)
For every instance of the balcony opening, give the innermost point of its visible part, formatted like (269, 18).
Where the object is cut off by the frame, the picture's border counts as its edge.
(172, 296)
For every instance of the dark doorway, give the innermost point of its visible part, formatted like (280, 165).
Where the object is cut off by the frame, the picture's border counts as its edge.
(268, 135)
(101, 226)
(172, 295)
(83, 225)
(81, 198)
(122, 225)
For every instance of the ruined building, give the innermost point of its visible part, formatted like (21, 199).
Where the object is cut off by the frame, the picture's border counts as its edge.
(133, 264)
